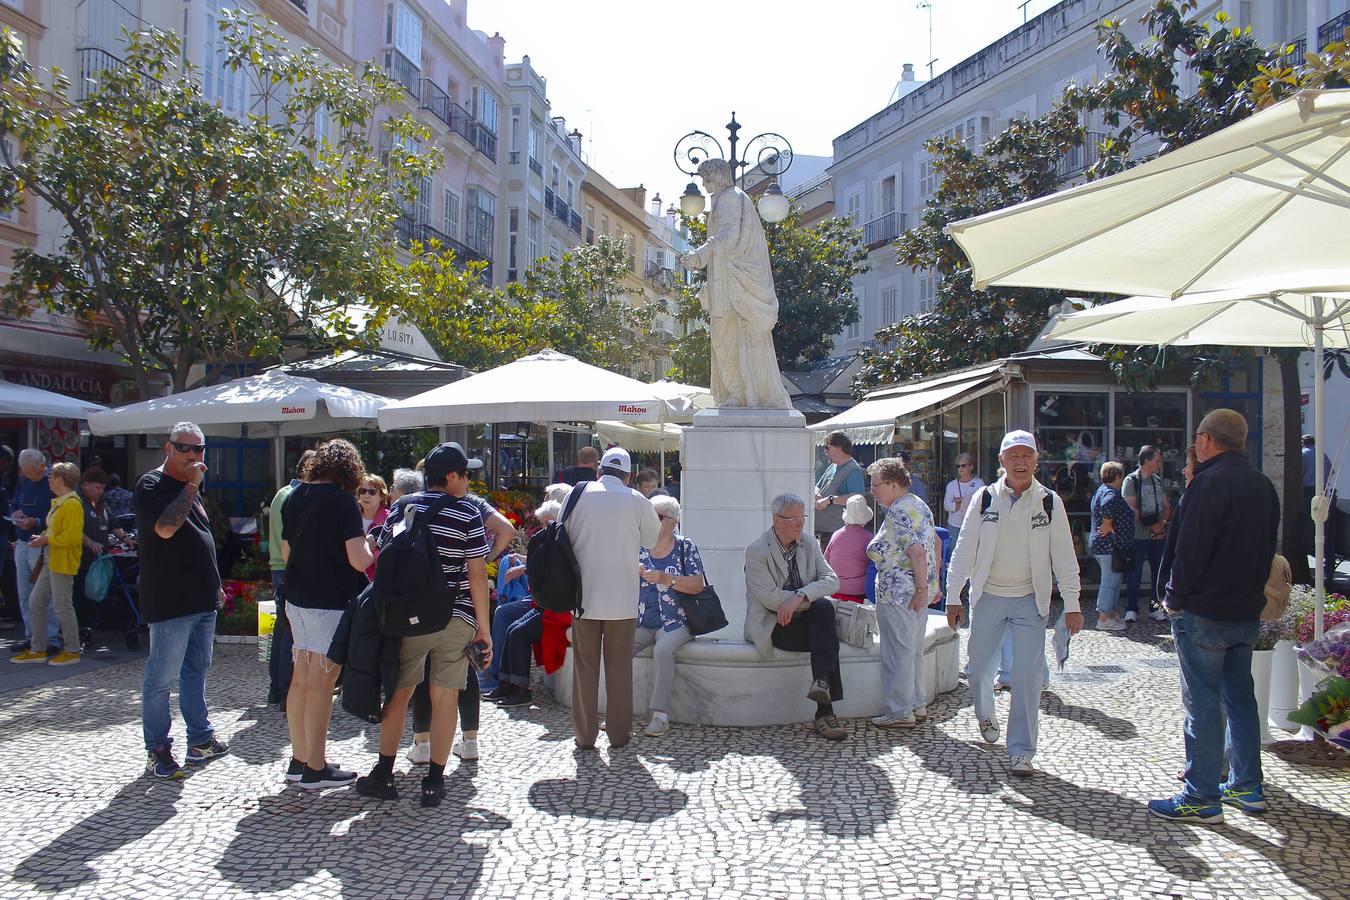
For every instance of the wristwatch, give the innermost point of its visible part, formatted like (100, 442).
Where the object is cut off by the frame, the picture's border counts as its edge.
(832, 498)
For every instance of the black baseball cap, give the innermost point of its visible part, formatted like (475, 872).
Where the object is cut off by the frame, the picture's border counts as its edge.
(447, 459)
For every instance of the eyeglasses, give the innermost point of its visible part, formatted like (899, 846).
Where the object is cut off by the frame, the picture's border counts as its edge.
(197, 449)
(369, 492)
(963, 465)
(1199, 434)
(790, 518)
(669, 518)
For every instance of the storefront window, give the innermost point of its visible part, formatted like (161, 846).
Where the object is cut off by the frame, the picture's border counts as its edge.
(992, 427)
(1157, 419)
(1072, 430)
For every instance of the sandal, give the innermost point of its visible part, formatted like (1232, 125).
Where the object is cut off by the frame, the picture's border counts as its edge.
(433, 792)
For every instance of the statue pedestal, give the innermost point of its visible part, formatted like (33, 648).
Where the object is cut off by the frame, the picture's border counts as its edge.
(735, 461)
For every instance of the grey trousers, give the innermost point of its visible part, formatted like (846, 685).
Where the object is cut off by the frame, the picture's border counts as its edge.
(56, 591)
(663, 660)
(612, 641)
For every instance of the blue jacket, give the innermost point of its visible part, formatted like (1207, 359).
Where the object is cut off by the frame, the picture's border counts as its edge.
(1217, 556)
(35, 499)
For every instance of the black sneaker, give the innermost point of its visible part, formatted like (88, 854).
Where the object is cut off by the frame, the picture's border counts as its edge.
(331, 776)
(521, 697)
(295, 771)
(501, 692)
(433, 792)
(380, 787)
(201, 753)
(161, 764)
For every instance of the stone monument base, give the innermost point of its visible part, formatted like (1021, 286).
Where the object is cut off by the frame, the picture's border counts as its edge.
(724, 682)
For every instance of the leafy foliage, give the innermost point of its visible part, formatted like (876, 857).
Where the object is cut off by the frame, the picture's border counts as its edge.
(192, 236)
(813, 272)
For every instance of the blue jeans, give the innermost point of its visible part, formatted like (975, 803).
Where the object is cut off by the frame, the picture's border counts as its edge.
(502, 620)
(994, 616)
(1005, 661)
(179, 648)
(1144, 551)
(518, 647)
(25, 558)
(1108, 590)
(1216, 679)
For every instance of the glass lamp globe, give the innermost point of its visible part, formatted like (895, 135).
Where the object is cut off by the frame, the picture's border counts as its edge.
(692, 201)
(773, 206)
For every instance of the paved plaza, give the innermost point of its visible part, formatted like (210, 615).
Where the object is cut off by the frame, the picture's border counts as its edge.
(701, 812)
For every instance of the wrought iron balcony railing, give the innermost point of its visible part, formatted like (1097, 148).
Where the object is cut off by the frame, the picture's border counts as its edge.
(1329, 32)
(1079, 159)
(882, 230)
(405, 72)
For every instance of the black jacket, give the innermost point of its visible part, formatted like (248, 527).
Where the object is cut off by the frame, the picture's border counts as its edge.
(1217, 557)
(369, 659)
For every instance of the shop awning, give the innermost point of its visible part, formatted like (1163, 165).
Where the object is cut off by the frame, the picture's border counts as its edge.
(24, 402)
(873, 421)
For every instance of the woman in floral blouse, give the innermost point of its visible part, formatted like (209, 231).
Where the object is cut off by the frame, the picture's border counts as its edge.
(672, 564)
(905, 553)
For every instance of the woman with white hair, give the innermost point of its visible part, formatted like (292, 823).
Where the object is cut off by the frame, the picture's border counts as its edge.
(672, 564)
(847, 550)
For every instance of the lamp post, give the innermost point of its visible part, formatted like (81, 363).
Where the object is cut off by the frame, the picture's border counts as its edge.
(770, 152)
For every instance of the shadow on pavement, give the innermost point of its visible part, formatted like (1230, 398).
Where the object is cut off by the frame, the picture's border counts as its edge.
(621, 788)
(1110, 726)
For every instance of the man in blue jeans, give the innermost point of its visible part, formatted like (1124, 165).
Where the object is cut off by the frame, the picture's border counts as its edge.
(1215, 565)
(180, 592)
(1143, 491)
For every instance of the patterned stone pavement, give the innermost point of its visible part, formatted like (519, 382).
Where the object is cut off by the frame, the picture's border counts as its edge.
(702, 812)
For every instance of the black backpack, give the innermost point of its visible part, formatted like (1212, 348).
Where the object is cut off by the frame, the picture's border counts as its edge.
(551, 565)
(1048, 502)
(412, 595)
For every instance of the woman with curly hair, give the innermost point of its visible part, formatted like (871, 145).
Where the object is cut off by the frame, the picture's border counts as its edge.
(324, 544)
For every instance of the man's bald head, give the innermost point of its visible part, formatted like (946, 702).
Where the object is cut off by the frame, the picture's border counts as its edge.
(588, 456)
(1227, 431)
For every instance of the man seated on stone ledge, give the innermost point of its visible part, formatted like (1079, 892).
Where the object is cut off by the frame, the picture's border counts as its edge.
(788, 585)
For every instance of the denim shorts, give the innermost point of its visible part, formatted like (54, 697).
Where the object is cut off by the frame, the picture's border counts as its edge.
(313, 629)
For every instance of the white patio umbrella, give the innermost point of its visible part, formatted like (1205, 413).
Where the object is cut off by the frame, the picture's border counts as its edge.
(1253, 208)
(24, 402)
(1231, 318)
(694, 396)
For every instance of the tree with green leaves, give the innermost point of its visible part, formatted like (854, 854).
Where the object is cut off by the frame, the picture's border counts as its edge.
(192, 236)
(813, 271)
(579, 306)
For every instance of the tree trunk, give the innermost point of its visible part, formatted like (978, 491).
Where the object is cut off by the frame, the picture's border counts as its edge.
(1292, 545)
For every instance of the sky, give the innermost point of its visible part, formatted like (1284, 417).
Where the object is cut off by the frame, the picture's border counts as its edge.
(636, 75)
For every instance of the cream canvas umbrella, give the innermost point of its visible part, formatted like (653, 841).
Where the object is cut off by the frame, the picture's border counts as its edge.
(1254, 208)
(24, 402)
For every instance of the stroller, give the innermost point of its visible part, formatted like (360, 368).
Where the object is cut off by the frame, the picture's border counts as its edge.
(102, 581)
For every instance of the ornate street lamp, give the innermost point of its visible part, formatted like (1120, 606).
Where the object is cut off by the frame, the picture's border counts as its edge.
(769, 152)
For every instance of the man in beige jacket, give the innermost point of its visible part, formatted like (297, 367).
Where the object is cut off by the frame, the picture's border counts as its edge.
(788, 585)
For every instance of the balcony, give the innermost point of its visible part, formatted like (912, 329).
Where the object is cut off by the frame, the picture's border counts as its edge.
(1298, 49)
(302, 5)
(1081, 158)
(93, 63)
(549, 198)
(513, 158)
(437, 101)
(882, 230)
(574, 223)
(484, 141)
(1330, 32)
(536, 167)
(405, 72)
(407, 229)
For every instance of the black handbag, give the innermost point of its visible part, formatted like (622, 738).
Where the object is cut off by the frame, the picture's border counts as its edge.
(1122, 561)
(702, 611)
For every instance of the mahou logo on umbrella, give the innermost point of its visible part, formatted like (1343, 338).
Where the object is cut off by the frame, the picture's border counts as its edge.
(629, 409)
(293, 410)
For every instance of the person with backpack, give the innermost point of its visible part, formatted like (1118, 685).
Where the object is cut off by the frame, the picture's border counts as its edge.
(324, 545)
(432, 590)
(1011, 549)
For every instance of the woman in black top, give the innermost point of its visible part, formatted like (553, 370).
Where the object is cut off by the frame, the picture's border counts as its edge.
(324, 544)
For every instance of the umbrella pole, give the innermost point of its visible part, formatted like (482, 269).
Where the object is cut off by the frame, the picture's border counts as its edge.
(548, 464)
(279, 457)
(661, 430)
(1319, 516)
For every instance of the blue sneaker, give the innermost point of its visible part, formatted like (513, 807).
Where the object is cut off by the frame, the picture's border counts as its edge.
(1253, 801)
(201, 753)
(1180, 809)
(161, 764)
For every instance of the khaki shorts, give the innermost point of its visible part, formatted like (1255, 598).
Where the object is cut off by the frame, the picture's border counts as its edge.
(449, 665)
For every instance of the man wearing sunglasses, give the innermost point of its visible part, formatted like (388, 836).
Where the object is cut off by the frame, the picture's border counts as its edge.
(180, 592)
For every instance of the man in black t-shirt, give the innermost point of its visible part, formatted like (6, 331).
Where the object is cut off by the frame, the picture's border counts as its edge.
(180, 592)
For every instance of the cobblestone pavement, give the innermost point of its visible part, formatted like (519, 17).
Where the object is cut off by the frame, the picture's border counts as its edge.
(701, 812)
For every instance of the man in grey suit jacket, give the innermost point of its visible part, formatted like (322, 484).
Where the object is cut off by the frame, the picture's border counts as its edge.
(788, 585)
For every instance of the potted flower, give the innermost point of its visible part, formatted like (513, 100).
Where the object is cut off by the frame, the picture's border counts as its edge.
(1318, 659)
(1271, 634)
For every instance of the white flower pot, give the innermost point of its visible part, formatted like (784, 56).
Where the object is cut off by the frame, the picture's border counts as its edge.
(1283, 696)
(1262, 661)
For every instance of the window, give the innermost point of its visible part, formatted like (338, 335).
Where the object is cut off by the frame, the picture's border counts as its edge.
(888, 297)
(928, 178)
(424, 201)
(556, 177)
(450, 219)
(534, 143)
(532, 235)
(109, 23)
(855, 329)
(590, 224)
(12, 214)
(604, 225)
(228, 89)
(403, 31)
(323, 126)
(485, 109)
(927, 289)
(480, 221)
(972, 132)
(513, 242)
(571, 191)
(855, 208)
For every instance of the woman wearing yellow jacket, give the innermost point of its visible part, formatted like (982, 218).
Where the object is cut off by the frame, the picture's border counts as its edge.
(64, 541)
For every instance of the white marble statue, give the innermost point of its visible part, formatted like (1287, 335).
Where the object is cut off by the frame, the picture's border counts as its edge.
(739, 297)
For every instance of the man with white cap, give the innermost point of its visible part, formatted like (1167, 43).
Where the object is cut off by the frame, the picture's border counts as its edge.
(607, 525)
(1014, 545)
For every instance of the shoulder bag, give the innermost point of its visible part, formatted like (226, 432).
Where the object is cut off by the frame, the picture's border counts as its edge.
(856, 623)
(702, 611)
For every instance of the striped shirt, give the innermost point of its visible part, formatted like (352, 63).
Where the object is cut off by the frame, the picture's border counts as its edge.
(459, 534)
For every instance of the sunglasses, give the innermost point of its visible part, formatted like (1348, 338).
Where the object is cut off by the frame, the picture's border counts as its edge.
(369, 492)
(188, 448)
(963, 465)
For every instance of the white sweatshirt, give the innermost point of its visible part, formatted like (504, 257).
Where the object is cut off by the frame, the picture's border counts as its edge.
(1047, 545)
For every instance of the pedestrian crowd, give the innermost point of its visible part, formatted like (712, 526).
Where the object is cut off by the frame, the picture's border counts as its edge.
(383, 587)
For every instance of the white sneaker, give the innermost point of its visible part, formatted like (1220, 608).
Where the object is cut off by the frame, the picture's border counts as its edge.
(890, 721)
(1021, 767)
(1110, 625)
(656, 727)
(1158, 615)
(1131, 616)
(920, 713)
(419, 754)
(1002, 686)
(466, 749)
(989, 731)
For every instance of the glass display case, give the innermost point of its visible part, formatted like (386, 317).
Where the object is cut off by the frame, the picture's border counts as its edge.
(1157, 419)
(1072, 429)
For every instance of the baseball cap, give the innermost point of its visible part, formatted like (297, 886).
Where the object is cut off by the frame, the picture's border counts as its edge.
(1018, 439)
(447, 458)
(617, 458)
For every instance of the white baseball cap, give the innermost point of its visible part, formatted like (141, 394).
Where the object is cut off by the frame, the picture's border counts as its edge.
(1018, 439)
(617, 458)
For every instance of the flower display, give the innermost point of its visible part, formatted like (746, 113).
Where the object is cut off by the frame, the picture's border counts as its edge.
(1328, 711)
